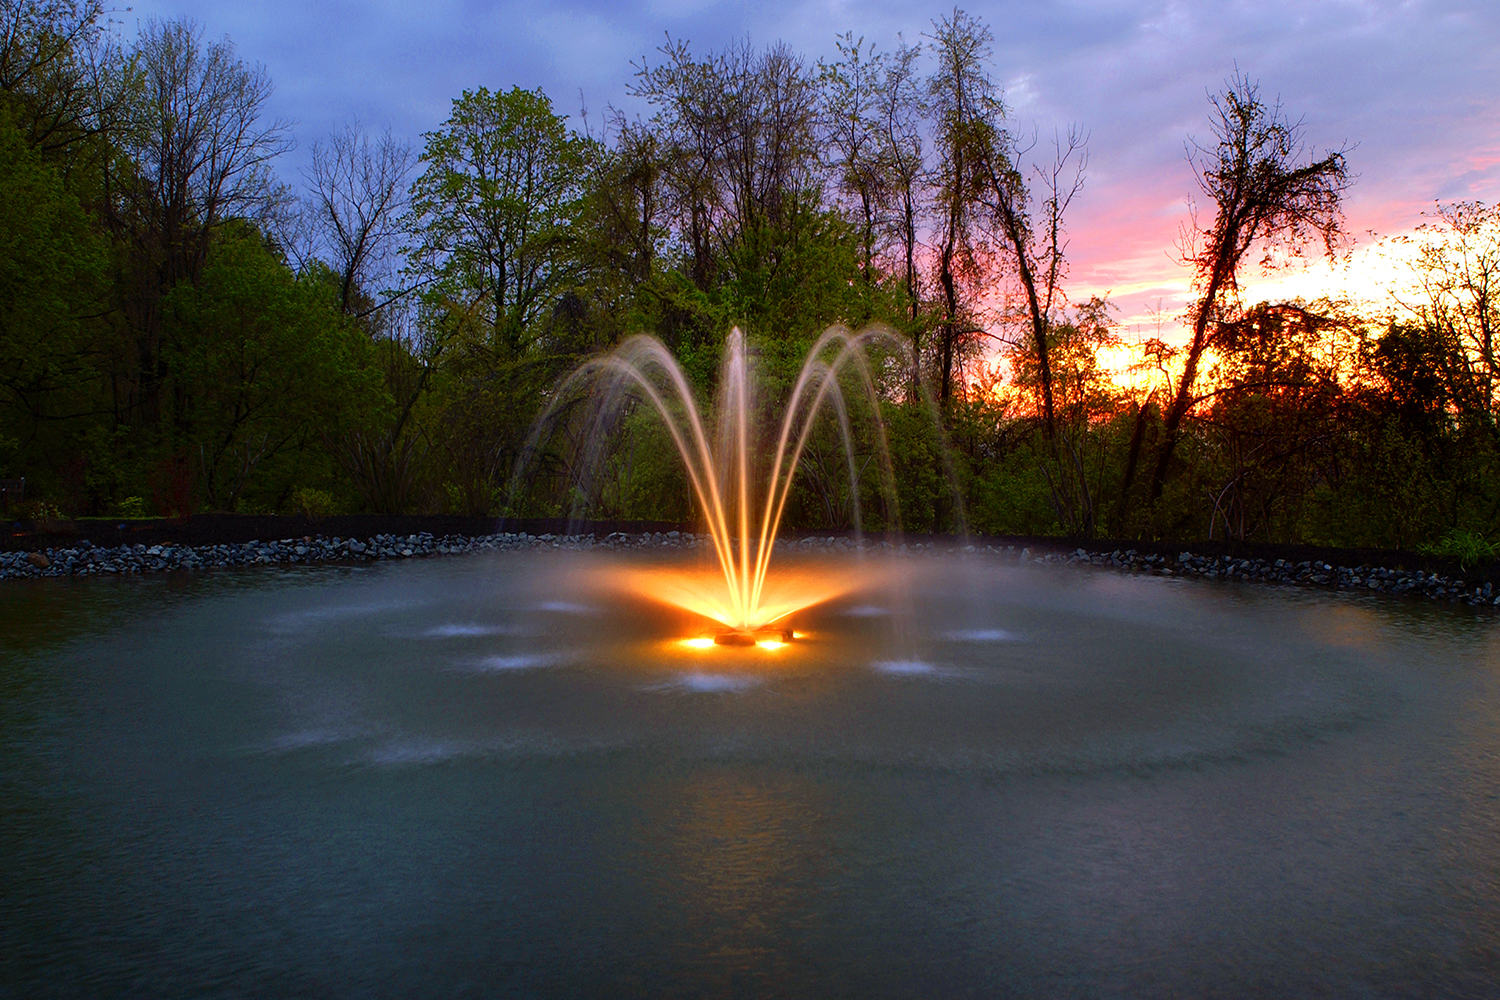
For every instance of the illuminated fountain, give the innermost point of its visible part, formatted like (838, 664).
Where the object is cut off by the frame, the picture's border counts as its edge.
(741, 498)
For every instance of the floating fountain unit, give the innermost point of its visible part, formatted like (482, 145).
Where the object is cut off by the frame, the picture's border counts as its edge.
(742, 498)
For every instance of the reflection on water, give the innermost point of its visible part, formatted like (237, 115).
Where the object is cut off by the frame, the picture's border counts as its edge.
(903, 667)
(707, 683)
(472, 777)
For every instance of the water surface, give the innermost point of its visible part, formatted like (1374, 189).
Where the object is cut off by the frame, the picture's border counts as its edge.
(476, 777)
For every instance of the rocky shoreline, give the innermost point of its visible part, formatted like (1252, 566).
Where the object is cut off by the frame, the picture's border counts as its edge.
(85, 559)
(1308, 573)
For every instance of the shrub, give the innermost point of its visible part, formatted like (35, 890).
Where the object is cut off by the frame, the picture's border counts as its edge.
(1467, 547)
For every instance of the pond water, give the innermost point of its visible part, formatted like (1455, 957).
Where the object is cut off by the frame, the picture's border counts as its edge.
(479, 777)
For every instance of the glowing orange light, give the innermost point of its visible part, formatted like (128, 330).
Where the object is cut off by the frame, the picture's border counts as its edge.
(742, 515)
(702, 591)
(770, 644)
(705, 642)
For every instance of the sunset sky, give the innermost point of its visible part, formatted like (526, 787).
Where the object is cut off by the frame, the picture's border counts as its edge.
(1413, 86)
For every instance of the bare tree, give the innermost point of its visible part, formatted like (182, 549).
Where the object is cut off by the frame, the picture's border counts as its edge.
(1038, 267)
(358, 198)
(899, 127)
(966, 108)
(1263, 193)
(1458, 277)
(739, 137)
(851, 102)
(195, 133)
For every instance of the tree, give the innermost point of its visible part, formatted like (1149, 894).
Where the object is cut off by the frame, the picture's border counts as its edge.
(262, 364)
(198, 152)
(899, 133)
(851, 102)
(1263, 193)
(625, 201)
(358, 199)
(738, 134)
(966, 109)
(492, 214)
(57, 74)
(1083, 395)
(1038, 267)
(1278, 425)
(1458, 278)
(52, 266)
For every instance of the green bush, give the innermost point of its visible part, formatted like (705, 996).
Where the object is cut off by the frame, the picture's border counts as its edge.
(41, 510)
(1468, 548)
(132, 507)
(314, 504)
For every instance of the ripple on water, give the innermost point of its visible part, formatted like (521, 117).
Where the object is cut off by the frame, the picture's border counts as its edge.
(905, 668)
(309, 739)
(419, 753)
(519, 661)
(981, 635)
(467, 630)
(307, 617)
(700, 683)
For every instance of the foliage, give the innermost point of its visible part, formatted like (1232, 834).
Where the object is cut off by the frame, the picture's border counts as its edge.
(179, 330)
(492, 213)
(52, 270)
(131, 507)
(1467, 547)
(261, 362)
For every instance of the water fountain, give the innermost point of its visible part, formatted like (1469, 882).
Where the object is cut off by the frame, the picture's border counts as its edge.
(742, 495)
(467, 775)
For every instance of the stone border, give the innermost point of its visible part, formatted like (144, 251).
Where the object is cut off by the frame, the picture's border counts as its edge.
(86, 559)
(1308, 573)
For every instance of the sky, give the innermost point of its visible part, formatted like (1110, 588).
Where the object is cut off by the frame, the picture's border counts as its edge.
(1412, 87)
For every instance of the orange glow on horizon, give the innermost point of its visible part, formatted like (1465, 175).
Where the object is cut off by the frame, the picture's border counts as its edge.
(1378, 278)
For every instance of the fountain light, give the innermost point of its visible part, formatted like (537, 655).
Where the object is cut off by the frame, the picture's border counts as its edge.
(766, 638)
(743, 516)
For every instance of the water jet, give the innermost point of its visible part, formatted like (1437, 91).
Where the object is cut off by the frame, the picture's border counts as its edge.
(741, 494)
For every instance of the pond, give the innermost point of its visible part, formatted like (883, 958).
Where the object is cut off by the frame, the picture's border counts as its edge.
(481, 776)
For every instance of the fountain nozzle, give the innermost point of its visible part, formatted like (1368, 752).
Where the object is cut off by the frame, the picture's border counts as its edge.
(750, 637)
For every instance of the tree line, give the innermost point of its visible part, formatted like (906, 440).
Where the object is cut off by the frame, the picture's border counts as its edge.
(181, 330)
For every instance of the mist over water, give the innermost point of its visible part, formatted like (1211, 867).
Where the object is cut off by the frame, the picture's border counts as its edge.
(485, 777)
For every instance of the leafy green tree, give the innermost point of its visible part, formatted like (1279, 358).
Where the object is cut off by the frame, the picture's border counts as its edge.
(263, 363)
(492, 214)
(52, 266)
